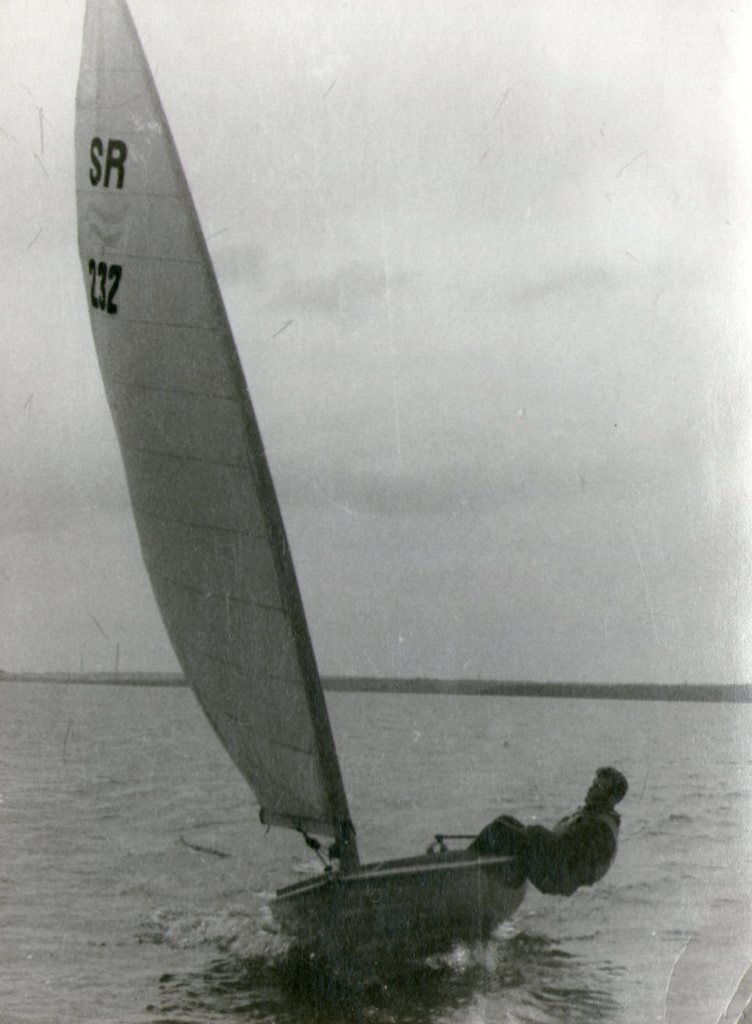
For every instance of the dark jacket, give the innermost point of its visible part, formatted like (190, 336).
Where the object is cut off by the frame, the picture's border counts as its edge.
(578, 851)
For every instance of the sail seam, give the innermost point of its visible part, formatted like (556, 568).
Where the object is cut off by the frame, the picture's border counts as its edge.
(272, 740)
(132, 193)
(112, 106)
(183, 458)
(141, 258)
(288, 794)
(228, 663)
(132, 69)
(242, 669)
(219, 594)
(173, 323)
(138, 386)
(262, 734)
(151, 513)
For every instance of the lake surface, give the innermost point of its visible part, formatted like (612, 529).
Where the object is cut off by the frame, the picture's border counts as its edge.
(135, 878)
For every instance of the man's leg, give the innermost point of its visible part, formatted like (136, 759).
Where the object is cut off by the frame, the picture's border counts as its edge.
(503, 836)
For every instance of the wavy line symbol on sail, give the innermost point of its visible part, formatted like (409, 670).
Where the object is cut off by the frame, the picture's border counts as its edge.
(105, 222)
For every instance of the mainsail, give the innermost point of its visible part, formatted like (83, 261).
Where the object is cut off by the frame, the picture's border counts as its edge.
(207, 516)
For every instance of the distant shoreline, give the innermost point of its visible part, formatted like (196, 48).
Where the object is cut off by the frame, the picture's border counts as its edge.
(701, 692)
(97, 678)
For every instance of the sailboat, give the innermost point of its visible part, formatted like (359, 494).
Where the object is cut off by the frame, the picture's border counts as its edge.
(211, 531)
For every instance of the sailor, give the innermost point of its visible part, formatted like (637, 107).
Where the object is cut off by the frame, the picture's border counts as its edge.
(578, 851)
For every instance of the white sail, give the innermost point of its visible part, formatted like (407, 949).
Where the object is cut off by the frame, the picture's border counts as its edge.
(207, 516)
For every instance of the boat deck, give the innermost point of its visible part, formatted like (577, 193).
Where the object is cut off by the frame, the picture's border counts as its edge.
(413, 906)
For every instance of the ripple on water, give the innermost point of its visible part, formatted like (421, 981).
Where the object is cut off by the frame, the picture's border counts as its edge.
(263, 978)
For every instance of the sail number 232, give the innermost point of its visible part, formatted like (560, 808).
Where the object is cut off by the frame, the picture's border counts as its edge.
(105, 281)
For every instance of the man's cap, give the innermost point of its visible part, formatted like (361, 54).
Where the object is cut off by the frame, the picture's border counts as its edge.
(615, 782)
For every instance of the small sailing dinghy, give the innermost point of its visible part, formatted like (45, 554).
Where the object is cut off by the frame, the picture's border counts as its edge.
(210, 527)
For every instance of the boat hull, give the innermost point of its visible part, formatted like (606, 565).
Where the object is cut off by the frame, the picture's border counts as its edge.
(401, 909)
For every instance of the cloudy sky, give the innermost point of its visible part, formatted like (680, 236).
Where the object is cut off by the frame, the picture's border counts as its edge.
(486, 268)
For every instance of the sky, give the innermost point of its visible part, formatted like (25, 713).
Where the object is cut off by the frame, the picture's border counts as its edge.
(486, 266)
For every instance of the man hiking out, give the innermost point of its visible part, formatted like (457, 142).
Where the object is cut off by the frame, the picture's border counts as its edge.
(578, 851)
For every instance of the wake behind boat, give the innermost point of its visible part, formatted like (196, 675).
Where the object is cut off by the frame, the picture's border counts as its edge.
(214, 544)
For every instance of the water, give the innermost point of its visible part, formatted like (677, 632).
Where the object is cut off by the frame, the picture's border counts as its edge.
(135, 877)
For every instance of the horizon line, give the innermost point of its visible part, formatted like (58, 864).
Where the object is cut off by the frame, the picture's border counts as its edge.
(684, 691)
